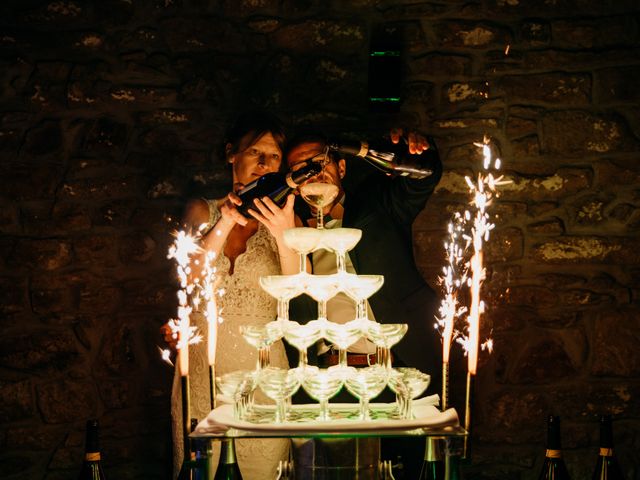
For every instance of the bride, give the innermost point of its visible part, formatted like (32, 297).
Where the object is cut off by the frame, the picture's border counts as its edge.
(245, 248)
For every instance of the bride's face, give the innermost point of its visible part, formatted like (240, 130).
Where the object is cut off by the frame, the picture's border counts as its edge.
(263, 156)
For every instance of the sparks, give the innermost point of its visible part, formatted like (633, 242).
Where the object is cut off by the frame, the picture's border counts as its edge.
(474, 227)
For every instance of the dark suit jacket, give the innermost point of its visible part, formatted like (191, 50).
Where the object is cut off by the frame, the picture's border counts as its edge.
(384, 209)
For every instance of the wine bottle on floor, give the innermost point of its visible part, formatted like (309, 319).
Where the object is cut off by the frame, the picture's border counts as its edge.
(554, 467)
(607, 467)
(91, 467)
(433, 465)
(228, 464)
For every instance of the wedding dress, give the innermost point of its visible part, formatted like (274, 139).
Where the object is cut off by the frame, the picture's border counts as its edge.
(243, 303)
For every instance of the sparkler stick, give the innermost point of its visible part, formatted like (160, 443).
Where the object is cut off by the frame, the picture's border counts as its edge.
(181, 250)
(211, 313)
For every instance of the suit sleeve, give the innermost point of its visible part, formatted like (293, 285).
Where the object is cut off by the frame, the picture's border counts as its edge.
(404, 198)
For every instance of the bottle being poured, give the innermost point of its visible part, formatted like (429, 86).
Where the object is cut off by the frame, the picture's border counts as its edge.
(392, 158)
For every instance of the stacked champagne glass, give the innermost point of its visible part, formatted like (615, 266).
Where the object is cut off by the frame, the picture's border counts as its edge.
(322, 383)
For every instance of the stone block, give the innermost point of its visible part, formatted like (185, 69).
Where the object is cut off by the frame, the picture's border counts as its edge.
(617, 85)
(619, 172)
(562, 183)
(525, 147)
(519, 127)
(64, 401)
(505, 244)
(588, 33)
(590, 209)
(45, 139)
(437, 64)
(39, 438)
(118, 350)
(535, 32)
(205, 33)
(470, 35)
(552, 88)
(552, 226)
(584, 298)
(116, 394)
(574, 133)
(338, 37)
(44, 349)
(42, 254)
(576, 404)
(468, 122)
(13, 294)
(103, 137)
(615, 344)
(95, 250)
(16, 401)
(466, 93)
(587, 249)
(97, 189)
(517, 416)
(531, 296)
(137, 248)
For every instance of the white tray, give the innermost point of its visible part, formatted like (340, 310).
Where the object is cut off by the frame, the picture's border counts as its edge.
(425, 416)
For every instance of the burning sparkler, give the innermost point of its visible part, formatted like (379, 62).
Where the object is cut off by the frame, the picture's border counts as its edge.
(467, 234)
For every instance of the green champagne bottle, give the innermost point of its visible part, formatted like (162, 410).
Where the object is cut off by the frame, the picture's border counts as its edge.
(228, 465)
(554, 467)
(607, 467)
(91, 467)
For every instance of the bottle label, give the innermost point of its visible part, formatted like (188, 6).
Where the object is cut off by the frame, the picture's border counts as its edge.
(92, 456)
(554, 454)
(606, 452)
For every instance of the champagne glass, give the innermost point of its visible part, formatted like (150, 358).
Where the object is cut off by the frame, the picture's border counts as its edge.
(385, 336)
(322, 384)
(318, 194)
(360, 288)
(279, 384)
(322, 288)
(302, 240)
(365, 384)
(343, 336)
(283, 288)
(262, 337)
(340, 241)
(302, 337)
(238, 386)
(407, 383)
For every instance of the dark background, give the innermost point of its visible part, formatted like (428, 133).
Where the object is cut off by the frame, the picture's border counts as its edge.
(111, 116)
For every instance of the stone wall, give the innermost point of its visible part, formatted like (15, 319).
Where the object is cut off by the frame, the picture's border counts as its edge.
(111, 115)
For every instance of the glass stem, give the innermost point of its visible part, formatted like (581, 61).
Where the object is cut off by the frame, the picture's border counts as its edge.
(324, 410)
(319, 219)
(340, 262)
(361, 309)
(280, 411)
(303, 263)
(342, 356)
(364, 408)
(322, 309)
(302, 354)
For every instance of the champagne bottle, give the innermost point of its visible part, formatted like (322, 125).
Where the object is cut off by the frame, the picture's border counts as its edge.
(91, 467)
(391, 158)
(228, 464)
(607, 467)
(554, 467)
(433, 465)
(194, 467)
(276, 185)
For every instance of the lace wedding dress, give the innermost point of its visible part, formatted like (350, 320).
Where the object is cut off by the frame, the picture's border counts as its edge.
(243, 303)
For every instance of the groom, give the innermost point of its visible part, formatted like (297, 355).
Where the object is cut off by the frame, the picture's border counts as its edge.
(384, 208)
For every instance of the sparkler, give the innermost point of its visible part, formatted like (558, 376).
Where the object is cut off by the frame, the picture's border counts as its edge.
(467, 234)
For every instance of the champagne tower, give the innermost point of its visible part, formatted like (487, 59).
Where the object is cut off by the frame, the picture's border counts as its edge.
(322, 383)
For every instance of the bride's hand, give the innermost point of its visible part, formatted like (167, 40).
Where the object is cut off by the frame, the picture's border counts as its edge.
(276, 219)
(229, 210)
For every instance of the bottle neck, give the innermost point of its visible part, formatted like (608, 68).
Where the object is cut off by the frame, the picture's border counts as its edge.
(432, 452)
(294, 179)
(606, 452)
(228, 452)
(553, 453)
(92, 456)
